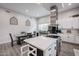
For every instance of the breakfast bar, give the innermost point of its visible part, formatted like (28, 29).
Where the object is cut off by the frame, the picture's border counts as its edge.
(45, 46)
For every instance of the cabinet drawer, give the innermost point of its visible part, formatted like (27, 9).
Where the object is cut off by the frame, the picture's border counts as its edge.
(77, 40)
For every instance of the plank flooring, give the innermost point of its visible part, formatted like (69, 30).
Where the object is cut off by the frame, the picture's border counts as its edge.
(67, 49)
(7, 50)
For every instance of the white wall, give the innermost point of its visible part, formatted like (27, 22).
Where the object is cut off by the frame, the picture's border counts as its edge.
(6, 28)
(44, 20)
(43, 23)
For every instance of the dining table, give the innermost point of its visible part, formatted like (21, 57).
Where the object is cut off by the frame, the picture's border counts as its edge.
(21, 37)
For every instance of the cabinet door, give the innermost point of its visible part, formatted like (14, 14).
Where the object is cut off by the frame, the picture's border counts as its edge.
(65, 37)
(75, 23)
(67, 23)
(77, 40)
(68, 38)
(71, 38)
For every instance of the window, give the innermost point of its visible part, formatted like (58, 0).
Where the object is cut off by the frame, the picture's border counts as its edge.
(43, 27)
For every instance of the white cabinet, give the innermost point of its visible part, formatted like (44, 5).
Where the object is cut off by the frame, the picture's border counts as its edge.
(70, 38)
(64, 37)
(76, 39)
(69, 23)
(66, 20)
(66, 23)
(75, 24)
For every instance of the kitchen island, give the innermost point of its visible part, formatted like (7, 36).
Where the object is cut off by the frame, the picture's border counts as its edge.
(43, 46)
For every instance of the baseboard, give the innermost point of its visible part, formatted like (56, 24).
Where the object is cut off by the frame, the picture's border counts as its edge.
(4, 42)
(70, 43)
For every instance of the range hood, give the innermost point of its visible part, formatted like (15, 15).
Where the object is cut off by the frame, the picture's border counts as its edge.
(53, 15)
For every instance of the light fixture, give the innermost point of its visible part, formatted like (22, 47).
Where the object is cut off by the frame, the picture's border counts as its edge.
(27, 10)
(63, 5)
(38, 3)
(69, 4)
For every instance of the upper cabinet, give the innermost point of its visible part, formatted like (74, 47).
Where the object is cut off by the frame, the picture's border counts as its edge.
(75, 23)
(69, 24)
(67, 21)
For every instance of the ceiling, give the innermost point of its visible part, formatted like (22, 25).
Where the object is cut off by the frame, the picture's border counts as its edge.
(36, 9)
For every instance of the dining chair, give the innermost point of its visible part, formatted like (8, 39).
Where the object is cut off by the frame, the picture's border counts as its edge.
(22, 39)
(34, 34)
(29, 35)
(12, 40)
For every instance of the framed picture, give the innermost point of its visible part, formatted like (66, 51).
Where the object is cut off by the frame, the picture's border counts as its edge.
(28, 23)
(13, 21)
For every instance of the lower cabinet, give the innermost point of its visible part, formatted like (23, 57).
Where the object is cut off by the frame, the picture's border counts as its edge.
(70, 38)
(77, 40)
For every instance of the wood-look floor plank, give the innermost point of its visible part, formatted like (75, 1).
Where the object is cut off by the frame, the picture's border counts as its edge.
(7, 50)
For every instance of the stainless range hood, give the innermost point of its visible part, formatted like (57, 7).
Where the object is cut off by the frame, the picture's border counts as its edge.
(53, 27)
(53, 15)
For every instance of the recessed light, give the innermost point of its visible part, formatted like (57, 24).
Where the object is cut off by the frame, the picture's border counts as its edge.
(38, 3)
(69, 4)
(27, 10)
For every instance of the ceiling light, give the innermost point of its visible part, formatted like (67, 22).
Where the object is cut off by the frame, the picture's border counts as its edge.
(26, 10)
(63, 5)
(69, 4)
(38, 3)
